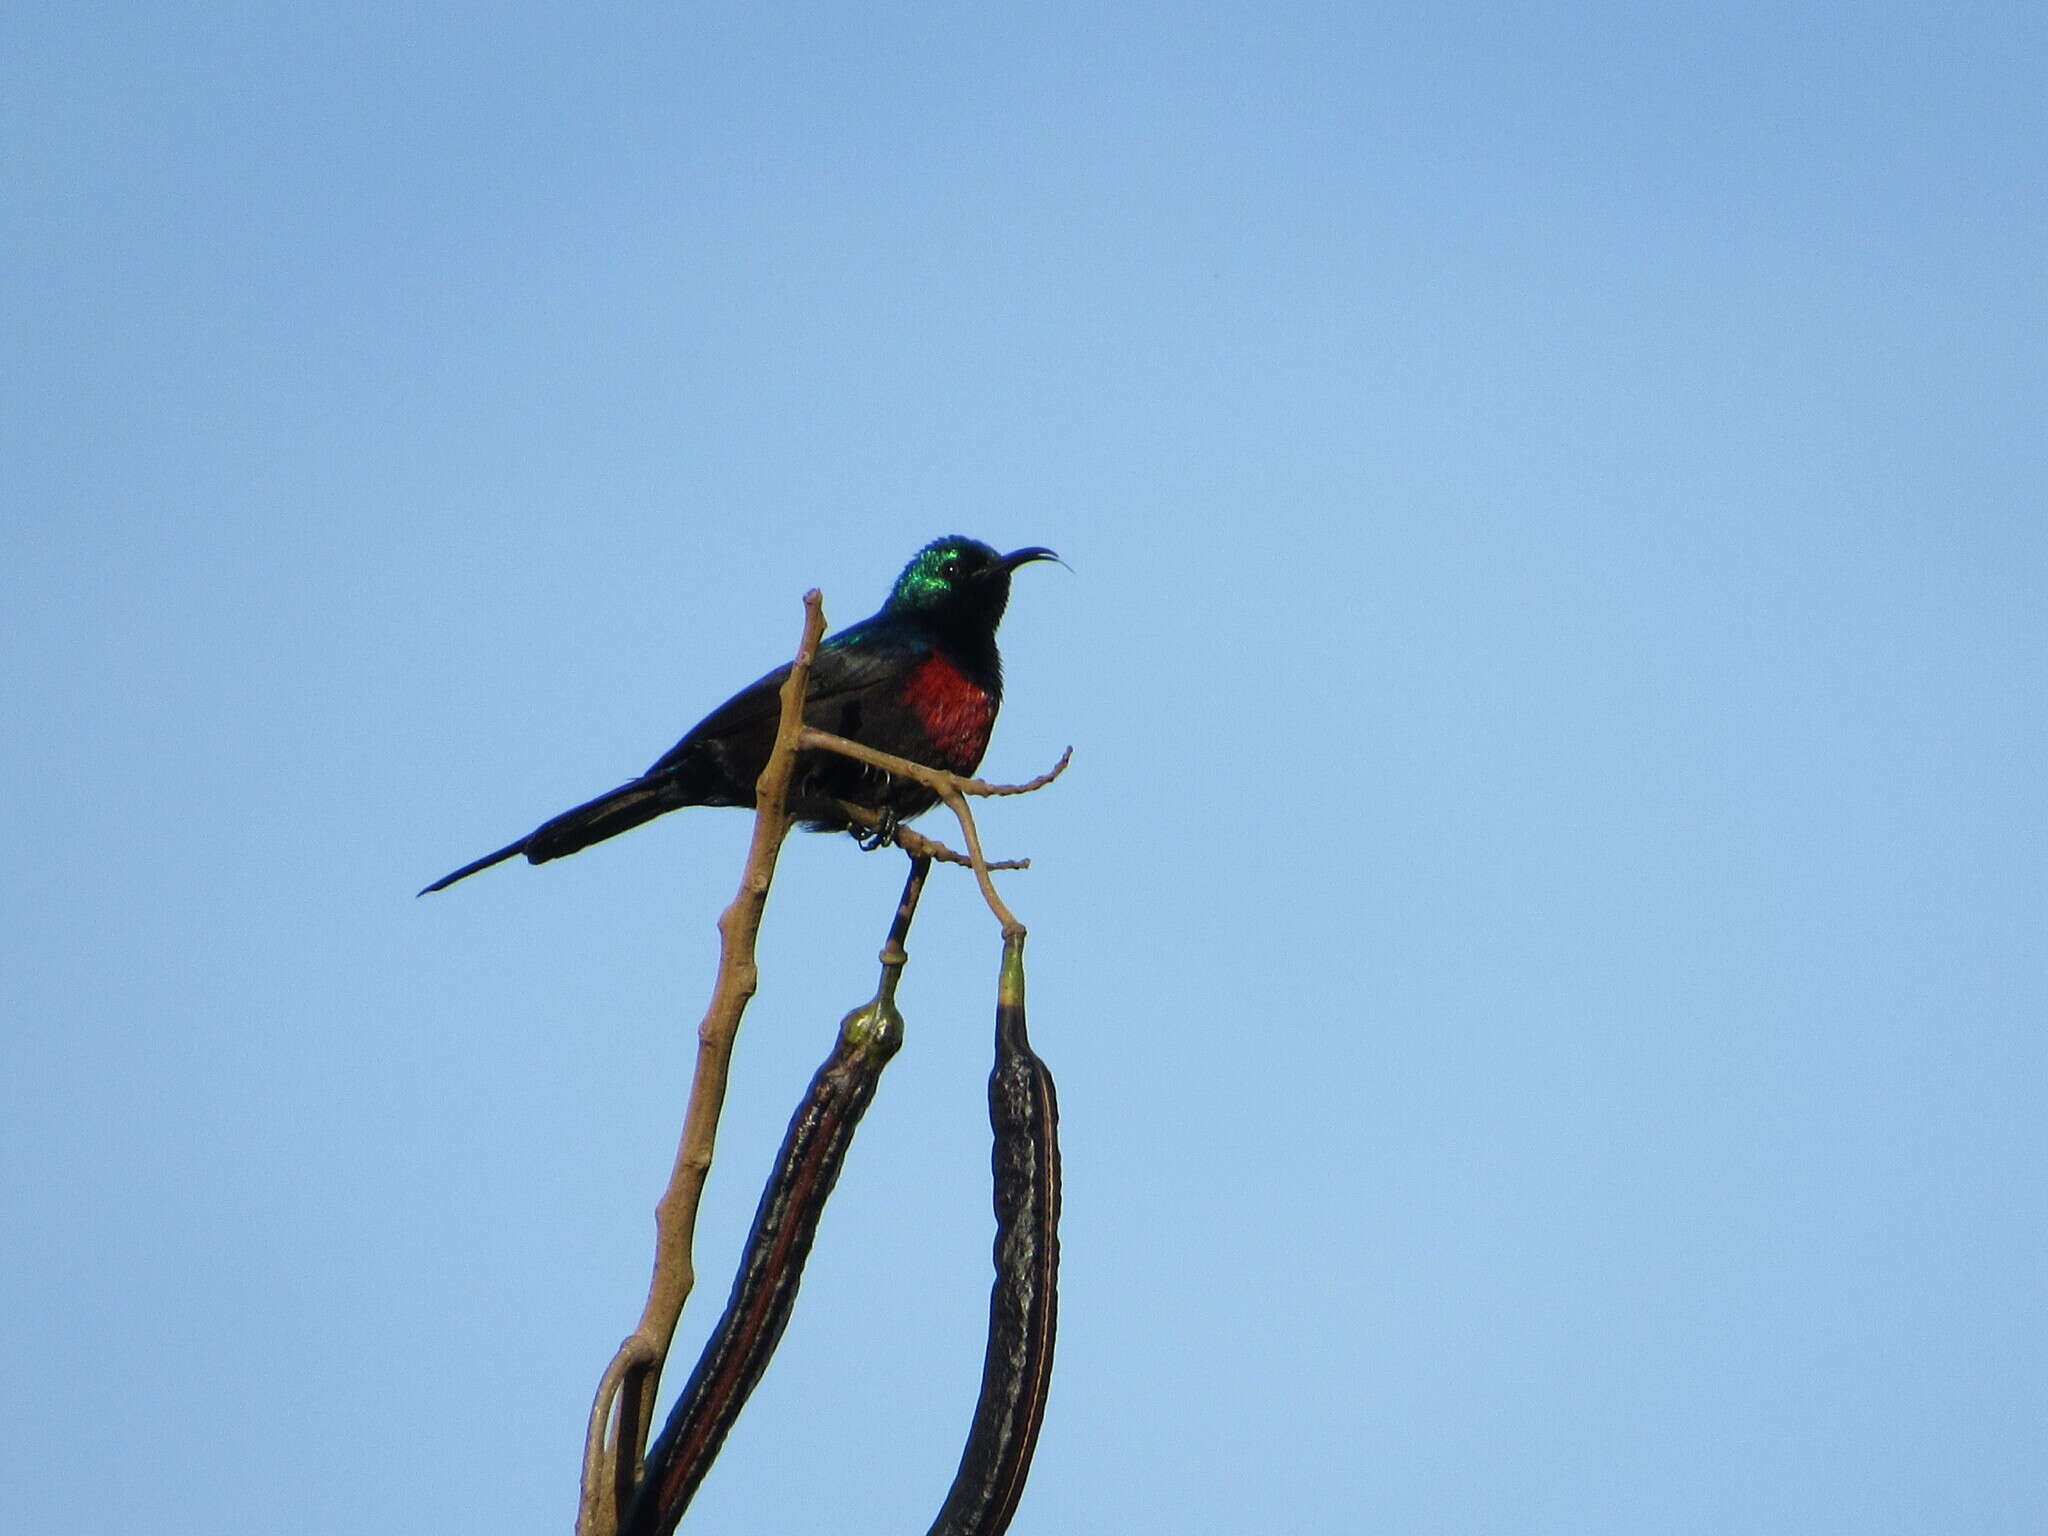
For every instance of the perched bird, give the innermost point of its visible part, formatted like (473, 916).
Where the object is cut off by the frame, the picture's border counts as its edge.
(920, 679)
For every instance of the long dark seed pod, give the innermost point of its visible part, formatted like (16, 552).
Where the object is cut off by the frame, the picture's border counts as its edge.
(772, 1268)
(1024, 1302)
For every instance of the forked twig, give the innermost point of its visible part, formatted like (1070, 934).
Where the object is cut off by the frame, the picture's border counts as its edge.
(952, 790)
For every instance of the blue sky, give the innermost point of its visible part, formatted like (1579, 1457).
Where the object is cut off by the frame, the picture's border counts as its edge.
(1541, 945)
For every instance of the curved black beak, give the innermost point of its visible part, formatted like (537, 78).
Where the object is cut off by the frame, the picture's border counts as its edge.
(1015, 558)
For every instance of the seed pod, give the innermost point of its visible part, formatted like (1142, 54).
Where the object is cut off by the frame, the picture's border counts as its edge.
(1023, 1304)
(772, 1268)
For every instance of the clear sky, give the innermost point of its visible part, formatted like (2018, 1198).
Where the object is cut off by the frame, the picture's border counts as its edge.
(1542, 942)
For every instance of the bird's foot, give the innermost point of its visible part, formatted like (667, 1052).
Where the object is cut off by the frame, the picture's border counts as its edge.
(880, 835)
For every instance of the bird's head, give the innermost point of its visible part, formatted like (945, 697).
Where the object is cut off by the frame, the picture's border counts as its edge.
(959, 581)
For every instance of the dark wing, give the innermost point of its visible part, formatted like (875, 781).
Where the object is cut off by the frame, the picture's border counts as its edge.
(861, 659)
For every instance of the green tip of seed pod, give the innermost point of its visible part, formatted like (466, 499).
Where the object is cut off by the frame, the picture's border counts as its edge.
(875, 1027)
(1010, 988)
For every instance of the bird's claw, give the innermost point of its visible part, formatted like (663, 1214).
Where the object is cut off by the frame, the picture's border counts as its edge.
(880, 835)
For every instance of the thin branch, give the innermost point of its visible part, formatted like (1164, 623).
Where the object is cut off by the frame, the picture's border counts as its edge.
(620, 1416)
(956, 802)
(937, 780)
(982, 787)
(894, 956)
(916, 844)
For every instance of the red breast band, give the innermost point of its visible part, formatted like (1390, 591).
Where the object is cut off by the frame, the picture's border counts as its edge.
(957, 714)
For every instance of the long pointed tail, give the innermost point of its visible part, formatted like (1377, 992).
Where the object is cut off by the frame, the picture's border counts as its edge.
(467, 870)
(616, 811)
